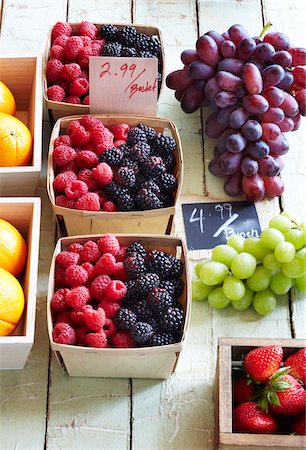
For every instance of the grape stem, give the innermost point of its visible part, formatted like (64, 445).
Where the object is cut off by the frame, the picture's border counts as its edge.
(265, 29)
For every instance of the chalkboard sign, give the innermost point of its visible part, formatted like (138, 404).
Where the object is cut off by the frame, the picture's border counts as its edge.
(211, 224)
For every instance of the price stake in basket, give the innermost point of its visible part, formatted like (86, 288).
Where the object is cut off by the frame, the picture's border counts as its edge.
(123, 85)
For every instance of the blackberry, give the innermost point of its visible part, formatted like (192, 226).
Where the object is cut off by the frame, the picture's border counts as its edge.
(153, 167)
(151, 186)
(146, 199)
(136, 136)
(167, 183)
(134, 265)
(169, 161)
(128, 162)
(164, 144)
(114, 191)
(127, 35)
(167, 200)
(159, 262)
(142, 311)
(147, 43)
(145, 283)
(112, 49)
(125, 319)
(179, 289)
(125, 202)
(112, 156)
(145, 54)
(142, 332)
(177, 267)
(125, 148)
(171, 319)
(131, 292)
(169, 285)
(109, 32)
(140, 152)
(162, 339)
(125, 176)
(154, 324)
(159, 299)
(136, 247)
(149, 132)
(129, 51)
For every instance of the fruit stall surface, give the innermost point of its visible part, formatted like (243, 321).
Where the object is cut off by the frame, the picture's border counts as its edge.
(41, 406)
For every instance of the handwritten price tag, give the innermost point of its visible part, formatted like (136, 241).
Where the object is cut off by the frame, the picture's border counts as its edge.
(211, 224)
(123, 85)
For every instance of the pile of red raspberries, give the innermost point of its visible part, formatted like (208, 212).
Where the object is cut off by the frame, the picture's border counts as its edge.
(113, 169)
(109, 295)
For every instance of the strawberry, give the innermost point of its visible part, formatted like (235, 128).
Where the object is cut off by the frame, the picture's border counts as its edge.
(242, 389)
(299, 424)
(262, 362)
(297, 363)
(292, 401)
(249, 418)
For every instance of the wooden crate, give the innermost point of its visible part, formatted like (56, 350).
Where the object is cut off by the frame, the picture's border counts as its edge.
(91, 222)
(24, 214)
(230, 352)
(23, 77)
(143, 362)
(61, 109)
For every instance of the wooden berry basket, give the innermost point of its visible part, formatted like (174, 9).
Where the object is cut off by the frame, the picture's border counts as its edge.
(61, 109)
(24, 214)
(92, 222)
(143, 362)
(229, 354)
(22, 75)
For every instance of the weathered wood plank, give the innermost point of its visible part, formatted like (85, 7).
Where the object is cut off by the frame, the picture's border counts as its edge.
(100, 11)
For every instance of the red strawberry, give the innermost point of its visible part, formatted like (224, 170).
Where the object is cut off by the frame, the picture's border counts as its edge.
(292, 401)
(297, 363)
(251, 419)
(242, 390)
(299, 424)
(262, 362)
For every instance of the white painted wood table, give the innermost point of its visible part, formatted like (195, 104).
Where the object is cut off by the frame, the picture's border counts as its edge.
(41, 407)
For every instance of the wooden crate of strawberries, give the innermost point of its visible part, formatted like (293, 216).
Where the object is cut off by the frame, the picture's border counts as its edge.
(234, 409)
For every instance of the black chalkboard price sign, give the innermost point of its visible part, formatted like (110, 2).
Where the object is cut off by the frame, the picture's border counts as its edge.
(211, 224)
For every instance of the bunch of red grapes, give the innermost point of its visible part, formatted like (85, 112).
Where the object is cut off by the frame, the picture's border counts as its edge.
(257, 90)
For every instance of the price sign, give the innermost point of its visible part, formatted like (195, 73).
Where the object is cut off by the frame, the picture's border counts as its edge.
(211, 224)
(123, 85)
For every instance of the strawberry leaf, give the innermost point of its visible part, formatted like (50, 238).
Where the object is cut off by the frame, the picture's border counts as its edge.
(272, 398)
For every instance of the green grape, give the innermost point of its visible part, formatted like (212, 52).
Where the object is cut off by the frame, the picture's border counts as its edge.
(198, 267)
(289, 216)
(303, 226)
(301, 283)
(264, 302)
(254, 246)
(217, 299)
(270, 263)
(296, 237)
(301, 253)
(233, 288)
(200, 291)
(295, 268)
(281, 223)
(259, 280)
(213, 273)
(245, 301)
(270, 237)
(224, 254)
(243, 265)
(284, 252)
(236, 241)
(280, 283)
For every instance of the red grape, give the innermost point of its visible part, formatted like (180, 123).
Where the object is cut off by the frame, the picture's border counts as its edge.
(300, 97)
(237, 33)
(289, 105)
(275, 115)
(279, 146)
(228, 81)
(233, 184)
(252, 130)
(201, 71)
(273, 75)
(279, 40)
(192, 99)
(179, 94)
(207, 50)
(268, 166)
(216, 37)
(224, 99)
(258, 149)
(228, 49)
(214, 167)
(188, 56)
(253, 187)
(274, 95)
(238, 117)
(211, 88)
(274, 186)
(298, 56)
(230, 162)
(264, 52)
(283, 58)
(287, 81)
(270, 131)
(213, 128)
(252, 78)
(286, 125)
(221, 142)
(223, 115)
(232, 65)
(249, 166)
(179, 79)
(299, 75)
(236, 143)
(246, 48)
(255, 103)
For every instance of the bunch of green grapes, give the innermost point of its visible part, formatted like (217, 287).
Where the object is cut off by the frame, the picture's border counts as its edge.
(254, 270)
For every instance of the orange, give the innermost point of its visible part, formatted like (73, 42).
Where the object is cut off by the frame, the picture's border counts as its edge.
(7, 101)
(11, 302)
(15, 142)
(13, 249)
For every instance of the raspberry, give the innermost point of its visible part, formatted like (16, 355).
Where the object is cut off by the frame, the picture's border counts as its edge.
(88, 202)
(63, 334)
(64, 139)
(80, 336)
(86, 159)
(76, 189)
(79, 87)
(109, 244)
(125, 319)
(61, 28)
(72, 47)
(79, 137)
(85, 74)
(121, 254)
(86, 176)
(142, 332)
(75, 248)
(109, 328)
(109, 207)
(86, 100)
(72, 99)
(63, 180)
(89, 122)
(65, 202)
(71, 72)
(134, 265)
(90, 269)
(102, 136)
(60, 276)
(123, 339)
(83, 57)
(77, 315)
(88, 29)
(65, 317)
(56, 93)
(66, 259)
(120, 131)
(63, 155)
(56, 52)
(86, 41)
(61, 40)
(76, 275)
(53, 70)
(58, 301)
(110, 308)
(97, 47)
(103, 174)
(72, 126)
(71, 166)
(118, 143)
(120, 272)
(90, 252)
(106, 264)
(98, 340)
(94, 319)
(77, 297)
(98, 287)
(115, 290)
